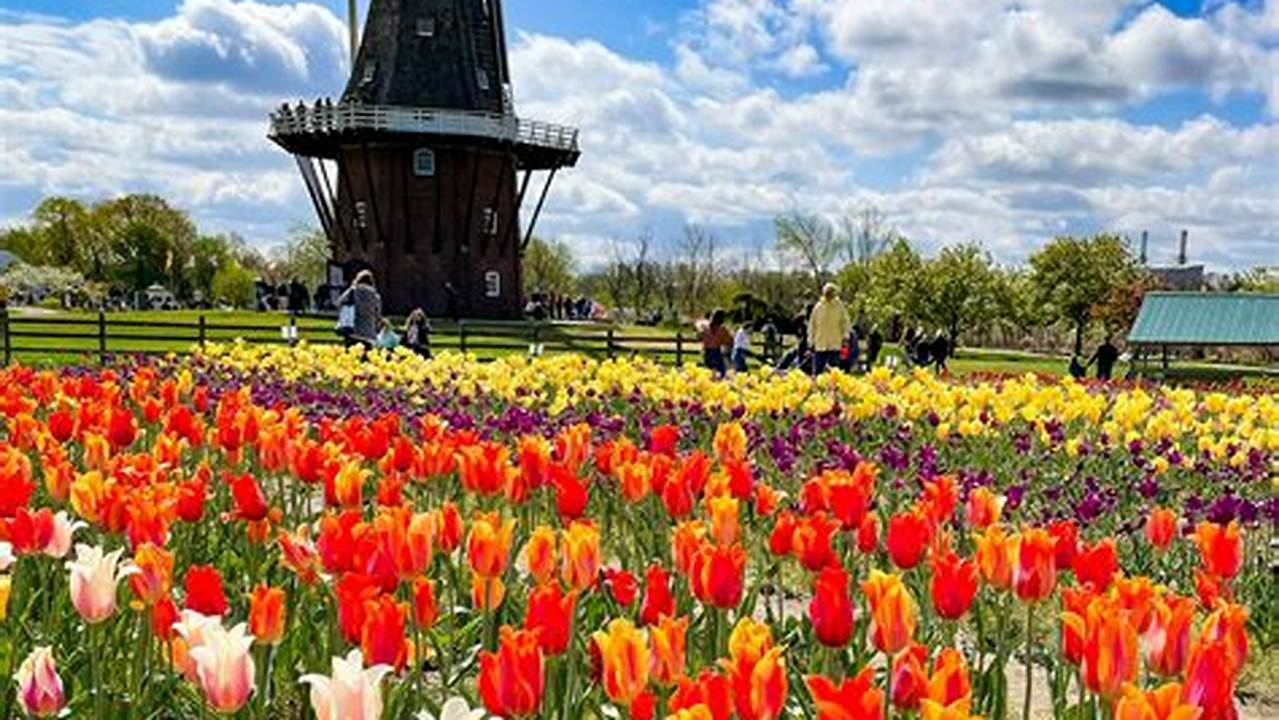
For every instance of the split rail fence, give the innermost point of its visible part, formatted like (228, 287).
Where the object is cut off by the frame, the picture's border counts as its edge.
(104, 335)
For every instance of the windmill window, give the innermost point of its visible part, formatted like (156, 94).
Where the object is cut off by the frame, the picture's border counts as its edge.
(370, 71)
(426, 27)
(361, 214)
(488, 220)
(424, 162)
(492, 284)
(482, 78)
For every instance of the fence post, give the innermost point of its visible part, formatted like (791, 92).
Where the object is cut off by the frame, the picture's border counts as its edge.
(4, 326)
(102, 337)
(679, 348)
(203, 333)
(534, 348)
(610, 342)
(293, 329)
(461, 335)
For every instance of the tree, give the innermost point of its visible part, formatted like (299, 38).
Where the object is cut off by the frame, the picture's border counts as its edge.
(812, 239)
(893, 287)
(548, 267)
(304, 256)
(208, 254)
(145, 257)
(1072, 275)
(62, 223)
(696, 269)
(1118, 309)
(960, 290)
(234, 284)
(866, 235)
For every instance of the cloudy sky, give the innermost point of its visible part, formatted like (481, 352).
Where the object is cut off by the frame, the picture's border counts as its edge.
(1003, 121)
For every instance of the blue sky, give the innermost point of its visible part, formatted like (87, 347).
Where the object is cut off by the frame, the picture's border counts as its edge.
(989, 120)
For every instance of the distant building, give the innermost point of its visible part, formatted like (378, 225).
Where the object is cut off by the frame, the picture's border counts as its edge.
(1180, 277)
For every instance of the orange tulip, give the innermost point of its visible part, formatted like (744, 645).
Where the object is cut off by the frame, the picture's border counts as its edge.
(1110, 654)
(995, 556)
(267, 614)
(668, 637)
(1229, 624)
(1210, 680)
(425, 609)
(580, 555)
(625, 659)
(348, 484)
(487, 593)
(910, 676)
(949, 682)
(489, 545)
(1162, 703)
(856, 698)
(540, 554)
(725, 521)
(635, 479)
(1220, 548)
(756, 671)
(893, 611)
(573, 446)
(154, 577)
(1161, 527)
(958, 710)
(511, 680)
(811, 542)
(686, 542)
(984, 507)
(729, 442)
(1035, 571)
(710, 690)
(940, 498)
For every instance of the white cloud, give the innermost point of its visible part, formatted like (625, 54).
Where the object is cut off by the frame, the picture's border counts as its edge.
(1003, 118)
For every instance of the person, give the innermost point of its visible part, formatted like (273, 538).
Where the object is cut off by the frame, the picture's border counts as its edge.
(772, 339)
(908, 347)
(852, 350)
(363, 297)
(715, 339)
(1077, 369)
(417, 333)
(1106, 356)
(387, 338)
(827, 326)
(923, 349)
(741, 347)
(874, 344)
(940, 351)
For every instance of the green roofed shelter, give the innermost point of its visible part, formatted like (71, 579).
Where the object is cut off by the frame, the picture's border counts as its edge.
(1203, 319)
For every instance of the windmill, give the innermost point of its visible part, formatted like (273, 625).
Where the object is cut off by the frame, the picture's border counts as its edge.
(419, 170)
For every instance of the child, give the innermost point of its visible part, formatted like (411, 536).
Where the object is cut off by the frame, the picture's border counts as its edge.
(387, 339)
(741, 347)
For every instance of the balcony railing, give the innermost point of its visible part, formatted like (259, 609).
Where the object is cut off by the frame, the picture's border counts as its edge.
(325, 117)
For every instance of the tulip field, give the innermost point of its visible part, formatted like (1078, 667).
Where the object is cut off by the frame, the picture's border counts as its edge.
(307, 532)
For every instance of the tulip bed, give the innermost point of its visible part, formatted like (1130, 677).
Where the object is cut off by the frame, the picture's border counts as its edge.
(305, 532)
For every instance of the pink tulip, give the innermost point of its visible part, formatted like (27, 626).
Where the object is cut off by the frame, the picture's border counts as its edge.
(6, 556)
(39, 687)
(193, 628)
(94, 577)
(60, 541)
(225, 667)
(352, 693)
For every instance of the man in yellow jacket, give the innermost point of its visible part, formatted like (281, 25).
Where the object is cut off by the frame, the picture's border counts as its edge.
(827, 328)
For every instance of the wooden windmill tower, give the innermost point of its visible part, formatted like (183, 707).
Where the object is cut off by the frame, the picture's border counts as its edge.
(419, 171)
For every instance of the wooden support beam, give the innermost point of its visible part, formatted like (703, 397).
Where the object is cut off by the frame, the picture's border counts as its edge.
(528, 235)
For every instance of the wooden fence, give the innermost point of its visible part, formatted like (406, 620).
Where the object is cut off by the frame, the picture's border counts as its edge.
(103, 335)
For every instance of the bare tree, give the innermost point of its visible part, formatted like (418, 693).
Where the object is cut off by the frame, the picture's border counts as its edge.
(643, 275)
(696, 267)
(812, 238)
(866, 234)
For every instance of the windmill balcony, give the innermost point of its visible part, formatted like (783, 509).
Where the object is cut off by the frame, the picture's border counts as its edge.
(301, 125)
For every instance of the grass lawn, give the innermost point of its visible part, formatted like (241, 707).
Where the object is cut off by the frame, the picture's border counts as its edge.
(45, 336)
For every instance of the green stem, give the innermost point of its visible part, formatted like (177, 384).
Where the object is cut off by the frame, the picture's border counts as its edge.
(1030, 665)
(888, 686)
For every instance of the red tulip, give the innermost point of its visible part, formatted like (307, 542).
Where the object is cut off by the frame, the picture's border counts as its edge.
(382, 637)
(250, 502)
(550, 613)
(1066, 533)
(1160, 527)
(719, 575)
(571, 495)
(907, 538)
(1095, 565)
(954, 584)
(910, 676)
(658, 599)
(204, 590)
(856, 698)
(425, 609)
(831, 609)
(812, 541)
(1220, 548)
